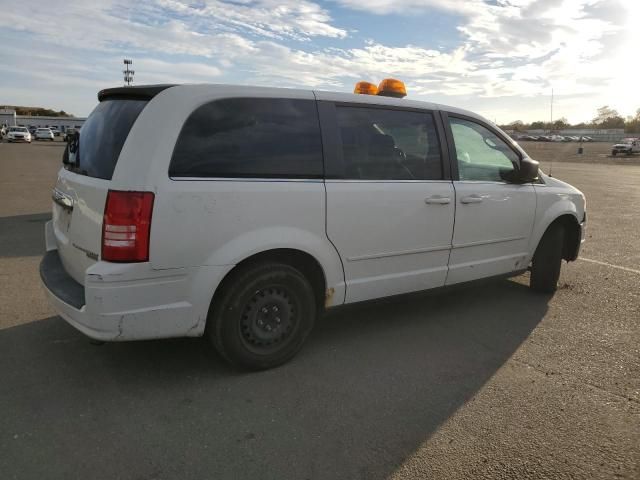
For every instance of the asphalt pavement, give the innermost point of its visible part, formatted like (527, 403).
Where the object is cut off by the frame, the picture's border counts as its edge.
(485, 381)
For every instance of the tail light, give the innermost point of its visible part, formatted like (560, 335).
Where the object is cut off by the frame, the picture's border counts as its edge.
(126, 225)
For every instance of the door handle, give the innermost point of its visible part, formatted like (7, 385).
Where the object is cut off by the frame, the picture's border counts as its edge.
(475, 198)
(437, 200)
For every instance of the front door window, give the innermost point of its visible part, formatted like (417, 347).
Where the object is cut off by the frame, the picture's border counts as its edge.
(480, 153)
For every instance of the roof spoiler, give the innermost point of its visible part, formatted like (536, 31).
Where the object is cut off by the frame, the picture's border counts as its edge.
(139, 92)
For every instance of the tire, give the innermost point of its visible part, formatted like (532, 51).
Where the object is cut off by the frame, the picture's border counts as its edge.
(547, 260)
(262, 316)
(614, 153)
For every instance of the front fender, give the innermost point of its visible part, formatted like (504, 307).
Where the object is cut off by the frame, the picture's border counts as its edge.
(551, 206)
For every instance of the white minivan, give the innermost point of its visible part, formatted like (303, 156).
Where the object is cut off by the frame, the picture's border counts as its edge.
(241, 213)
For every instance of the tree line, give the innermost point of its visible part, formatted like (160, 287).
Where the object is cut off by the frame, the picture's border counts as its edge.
(606, 117)
(38, 111)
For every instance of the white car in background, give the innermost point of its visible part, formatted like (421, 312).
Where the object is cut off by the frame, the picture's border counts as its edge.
(18, 134)
(44, 134)
(628, 146)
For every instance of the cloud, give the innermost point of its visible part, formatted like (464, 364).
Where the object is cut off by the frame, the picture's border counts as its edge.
(158, 71)
(403, 7)
(508, 48)
(277, 19)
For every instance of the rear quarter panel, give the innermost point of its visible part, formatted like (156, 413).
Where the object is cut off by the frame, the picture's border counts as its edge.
(220, 222)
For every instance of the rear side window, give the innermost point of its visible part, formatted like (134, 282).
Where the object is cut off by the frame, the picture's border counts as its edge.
(250, 137)
(381, 144)
(102, 137)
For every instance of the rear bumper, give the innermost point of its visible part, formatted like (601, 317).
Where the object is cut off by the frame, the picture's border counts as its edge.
(59, 283)
(120, 302)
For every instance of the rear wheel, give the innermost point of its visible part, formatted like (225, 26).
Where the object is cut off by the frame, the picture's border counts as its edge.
(262, 316)
(614, 153)
(547, 261)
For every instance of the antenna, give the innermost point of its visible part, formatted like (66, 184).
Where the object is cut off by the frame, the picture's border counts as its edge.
(128, 74)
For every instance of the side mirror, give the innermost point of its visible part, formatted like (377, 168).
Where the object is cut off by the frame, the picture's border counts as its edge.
(528, 171)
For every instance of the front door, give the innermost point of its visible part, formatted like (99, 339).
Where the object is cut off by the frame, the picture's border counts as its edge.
(494, 217)
(390, 209)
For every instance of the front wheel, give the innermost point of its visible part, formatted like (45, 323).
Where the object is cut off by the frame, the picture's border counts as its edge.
(262, 316)
(546, 263)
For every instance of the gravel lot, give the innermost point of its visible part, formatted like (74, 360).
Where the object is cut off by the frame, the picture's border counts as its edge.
(487, 381)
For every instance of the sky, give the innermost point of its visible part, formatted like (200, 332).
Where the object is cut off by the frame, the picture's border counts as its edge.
(499, 58)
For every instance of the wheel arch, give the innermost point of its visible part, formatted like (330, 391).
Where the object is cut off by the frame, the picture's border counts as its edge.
(572, 237)
(303, 261)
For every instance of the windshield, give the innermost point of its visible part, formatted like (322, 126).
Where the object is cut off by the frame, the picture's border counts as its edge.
(95, 151)
(18, 129)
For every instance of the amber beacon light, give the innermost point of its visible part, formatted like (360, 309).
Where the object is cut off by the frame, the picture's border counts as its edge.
(390, 87)
(365, 88)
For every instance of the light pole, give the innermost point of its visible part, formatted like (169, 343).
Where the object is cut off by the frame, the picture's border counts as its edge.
(128, 74)
(551, 126)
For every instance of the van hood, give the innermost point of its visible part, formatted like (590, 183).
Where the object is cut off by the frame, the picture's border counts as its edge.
(554, 182)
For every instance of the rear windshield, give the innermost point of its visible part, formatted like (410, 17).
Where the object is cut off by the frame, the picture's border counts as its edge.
(102, 137)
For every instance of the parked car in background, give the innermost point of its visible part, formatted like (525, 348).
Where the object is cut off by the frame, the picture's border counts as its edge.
(56, 132)
(44, 134)
(627, 146)
(584, 138)
(18, 134)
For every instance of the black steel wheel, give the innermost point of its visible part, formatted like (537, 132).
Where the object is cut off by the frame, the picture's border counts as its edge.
(262, 315)
(268, 319)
